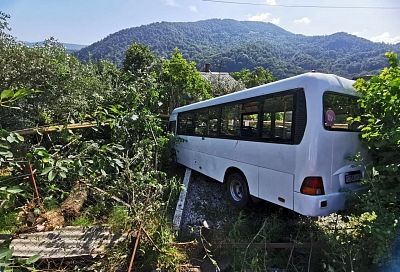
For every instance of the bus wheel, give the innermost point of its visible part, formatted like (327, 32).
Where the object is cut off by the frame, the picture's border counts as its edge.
(238, 191)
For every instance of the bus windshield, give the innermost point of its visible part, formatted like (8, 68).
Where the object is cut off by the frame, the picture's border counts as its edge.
(337, 109)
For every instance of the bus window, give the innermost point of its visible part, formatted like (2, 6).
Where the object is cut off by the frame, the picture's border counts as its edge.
(185, 123)
(213, 121)
(200, 127)
(230, 120)
(337, 108)
(277, 118)
(267, 126)
(249, 114)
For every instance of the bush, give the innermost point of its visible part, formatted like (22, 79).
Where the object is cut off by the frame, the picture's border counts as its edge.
(367, 235)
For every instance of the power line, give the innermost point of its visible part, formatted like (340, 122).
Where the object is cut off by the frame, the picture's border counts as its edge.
(299, 6)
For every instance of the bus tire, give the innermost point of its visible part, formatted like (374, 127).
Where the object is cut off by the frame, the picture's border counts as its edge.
(237, 189)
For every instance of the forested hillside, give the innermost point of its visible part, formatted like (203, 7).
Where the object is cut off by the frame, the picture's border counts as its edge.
(233, 45)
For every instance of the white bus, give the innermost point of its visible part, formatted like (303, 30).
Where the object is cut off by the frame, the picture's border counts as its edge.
(286, 142)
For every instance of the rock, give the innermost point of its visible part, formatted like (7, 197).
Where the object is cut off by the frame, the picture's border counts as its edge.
(55, 219)
(40, 227)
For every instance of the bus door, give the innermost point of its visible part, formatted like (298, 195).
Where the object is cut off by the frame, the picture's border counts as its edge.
(276, 177)
(199, 143)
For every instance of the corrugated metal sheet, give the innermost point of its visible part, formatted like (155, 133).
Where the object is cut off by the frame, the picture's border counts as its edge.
(68, 242)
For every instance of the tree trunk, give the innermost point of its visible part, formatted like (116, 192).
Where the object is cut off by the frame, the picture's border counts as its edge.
(73, 204)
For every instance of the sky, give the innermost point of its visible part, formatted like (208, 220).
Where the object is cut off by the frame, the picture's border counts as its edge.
(87, 21)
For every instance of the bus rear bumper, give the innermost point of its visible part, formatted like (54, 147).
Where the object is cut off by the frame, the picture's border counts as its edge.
(320, 205)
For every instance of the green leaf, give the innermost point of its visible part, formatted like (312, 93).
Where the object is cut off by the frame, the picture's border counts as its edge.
(119, 163)
(46, 170)
(5, 265)
(11, 138)
(63, 174)
(52, 175)
(4, 146)
(6, 94)
(63, 168)
(6, 154)
(119, 147)
(5, 253)
(14, 190)
(33, 259)
(114, 109)
(22, 93)
(19, 137)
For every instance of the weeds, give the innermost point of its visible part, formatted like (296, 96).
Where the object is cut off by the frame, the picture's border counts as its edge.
(8, 222)
(82, 221)
(120, 219)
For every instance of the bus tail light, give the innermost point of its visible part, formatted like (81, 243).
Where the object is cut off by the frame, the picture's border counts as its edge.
(312, 186)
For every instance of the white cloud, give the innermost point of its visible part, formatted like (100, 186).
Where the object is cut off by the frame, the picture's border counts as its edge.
(302, 21)
(264, 17)
(171, 3)
(271, 2)
(386, 38)
(275, 21)
(193, 9)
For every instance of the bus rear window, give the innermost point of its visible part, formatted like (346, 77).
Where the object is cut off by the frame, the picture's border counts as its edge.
(337, 109)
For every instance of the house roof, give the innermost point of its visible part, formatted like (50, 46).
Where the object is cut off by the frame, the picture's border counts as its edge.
(220, 79)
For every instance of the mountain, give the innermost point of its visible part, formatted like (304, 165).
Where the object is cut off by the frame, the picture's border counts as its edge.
(231, 45)
(73, 46)
(70, 47)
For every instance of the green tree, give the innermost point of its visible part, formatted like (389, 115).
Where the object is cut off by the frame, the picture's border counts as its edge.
(3, 22)
(181, 83)
(141, 72)
(139, 59)
(67, 89)
(380, 102)
(380, 119)
(257, 77)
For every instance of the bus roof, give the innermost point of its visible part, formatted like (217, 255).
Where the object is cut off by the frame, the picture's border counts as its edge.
(321, 82)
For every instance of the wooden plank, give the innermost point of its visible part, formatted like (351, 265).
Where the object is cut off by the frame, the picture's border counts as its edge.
(68, 242)
(287, 245)
(54, 128)
(176, 223)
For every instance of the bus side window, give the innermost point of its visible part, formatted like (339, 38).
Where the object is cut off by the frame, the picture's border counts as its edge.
(200, 128)
(213, 121)
(230, 120)
(341, 107)
(267, 126)
(185, 123)
(277, 118)
(249, 114)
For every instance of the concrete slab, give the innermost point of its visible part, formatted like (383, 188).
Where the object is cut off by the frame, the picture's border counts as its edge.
(181, 201)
